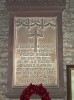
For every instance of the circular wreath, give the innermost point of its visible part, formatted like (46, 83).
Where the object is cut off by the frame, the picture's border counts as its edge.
(35, 89)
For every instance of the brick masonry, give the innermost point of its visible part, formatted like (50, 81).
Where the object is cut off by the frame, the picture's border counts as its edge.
(68, 42)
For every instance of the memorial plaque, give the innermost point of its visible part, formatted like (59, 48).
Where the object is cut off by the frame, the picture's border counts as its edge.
(35, 54)
(35, 46)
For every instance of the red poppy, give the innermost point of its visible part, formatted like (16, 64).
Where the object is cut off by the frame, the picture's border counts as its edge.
(35, 89)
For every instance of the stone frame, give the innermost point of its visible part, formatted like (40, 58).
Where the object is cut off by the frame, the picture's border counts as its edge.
(40, 10)
(70, 68)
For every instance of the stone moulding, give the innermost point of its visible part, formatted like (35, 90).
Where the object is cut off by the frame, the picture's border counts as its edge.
(35, 2)
(32, 5)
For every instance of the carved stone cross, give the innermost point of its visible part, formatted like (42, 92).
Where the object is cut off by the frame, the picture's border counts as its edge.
(36, 36)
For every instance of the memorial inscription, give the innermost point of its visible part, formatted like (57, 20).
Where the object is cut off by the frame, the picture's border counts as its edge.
(35, 51)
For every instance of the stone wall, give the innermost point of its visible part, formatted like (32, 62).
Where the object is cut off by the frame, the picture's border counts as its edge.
(68, 37)
(68, 42)
(3, 48)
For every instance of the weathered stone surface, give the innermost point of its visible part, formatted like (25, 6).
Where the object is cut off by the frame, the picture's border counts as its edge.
(3, 48)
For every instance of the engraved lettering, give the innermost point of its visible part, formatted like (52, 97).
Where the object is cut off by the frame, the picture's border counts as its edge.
(36, 60)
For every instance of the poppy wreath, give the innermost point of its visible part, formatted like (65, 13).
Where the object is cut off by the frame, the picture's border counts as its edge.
(35, 89)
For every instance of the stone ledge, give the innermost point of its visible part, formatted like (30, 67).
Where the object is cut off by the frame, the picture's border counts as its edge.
(35, 2)
(17, 5)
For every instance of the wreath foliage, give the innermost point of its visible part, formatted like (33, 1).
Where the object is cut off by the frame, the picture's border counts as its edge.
(35, 89)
